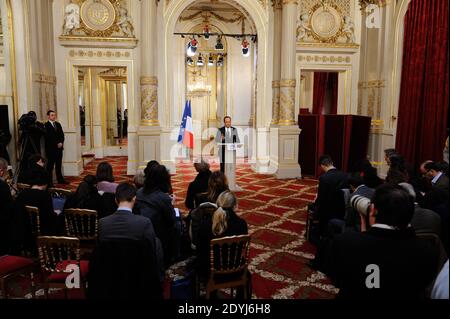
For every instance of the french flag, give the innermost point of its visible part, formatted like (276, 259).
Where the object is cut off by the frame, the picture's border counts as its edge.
(186, 135)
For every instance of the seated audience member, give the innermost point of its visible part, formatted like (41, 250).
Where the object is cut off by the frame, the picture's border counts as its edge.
(35, 163)
(86, 196)
(198, 185)
(124, 225)
(371, 178)
(6, 208)
(105, 178)
(440, 289)
(403, 266)
(387, 154)
(423, 220)
(435, 173)
(224, 223)
(154, 203)
(38, 196)
(331, 182)
(357, 188)
(395, 176)
(217, 184)
(139, 180)
(398, 163)
(437, 200)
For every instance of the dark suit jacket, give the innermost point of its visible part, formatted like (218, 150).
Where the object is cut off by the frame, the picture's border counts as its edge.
(52, 138)
(197, 186)
(442, 183)
(328, 195)
(123, 225)
(425, 220)
(157, 206)
(407, 265)
(233, 139)
(43, 201)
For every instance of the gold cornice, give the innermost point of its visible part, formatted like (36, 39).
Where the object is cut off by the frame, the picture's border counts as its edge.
(149, 80)
(328, 45)
(286, 2)
(287, 83)
(275, 84)
(44, 78)
(364, 3)
(376, 122)
(372, 84)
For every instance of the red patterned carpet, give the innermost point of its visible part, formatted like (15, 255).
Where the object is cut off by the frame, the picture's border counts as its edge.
(275, 212)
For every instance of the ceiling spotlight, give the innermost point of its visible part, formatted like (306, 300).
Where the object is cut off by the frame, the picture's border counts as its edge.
(189, 61)
(192, 47)
(210, 60)
(220, 60)
(245, 48)
(200, 60)
(219, 45)
(206, 32)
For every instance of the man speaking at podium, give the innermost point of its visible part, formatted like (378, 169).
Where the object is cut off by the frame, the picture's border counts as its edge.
(226, 134)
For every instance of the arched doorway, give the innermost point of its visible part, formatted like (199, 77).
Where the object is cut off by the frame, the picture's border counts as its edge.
(255, 104)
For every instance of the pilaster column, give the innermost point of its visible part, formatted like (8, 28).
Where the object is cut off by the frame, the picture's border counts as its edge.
(277, 7)
(149, 80)
(288, 53)
(284, 138)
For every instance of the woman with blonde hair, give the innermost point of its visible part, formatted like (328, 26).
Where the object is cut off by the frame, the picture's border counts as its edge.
(225, 222)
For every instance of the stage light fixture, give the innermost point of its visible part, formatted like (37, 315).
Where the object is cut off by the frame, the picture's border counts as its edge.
(245, 48)
(189, 61)
(200, 60)
(219, 45)
(206, 32)
(210, 60)
(220, 60)
(192, 47)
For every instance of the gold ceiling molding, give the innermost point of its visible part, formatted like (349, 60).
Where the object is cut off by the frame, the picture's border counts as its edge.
(115, 72)
(275, 84)
(99, 54)
(286, 2)
(97, 18)
(324, 59)
(206, 14)
(277, 4)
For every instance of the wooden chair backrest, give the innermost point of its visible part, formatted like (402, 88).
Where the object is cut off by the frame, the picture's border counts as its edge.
(81, 223)
(56, 252)
(229, 254)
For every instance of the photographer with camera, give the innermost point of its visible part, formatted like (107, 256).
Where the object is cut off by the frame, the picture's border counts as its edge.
(5, 138)
(406, 265)
(54, 146)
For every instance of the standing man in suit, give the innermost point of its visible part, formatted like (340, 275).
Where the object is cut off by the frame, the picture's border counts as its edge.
(54, 146)
(226, 134)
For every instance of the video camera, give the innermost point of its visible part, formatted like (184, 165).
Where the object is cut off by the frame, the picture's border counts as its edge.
(27, 121)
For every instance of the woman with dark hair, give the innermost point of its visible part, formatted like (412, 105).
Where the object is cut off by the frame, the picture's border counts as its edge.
(217, 184)
(198, 185)
(105, 178)
(154, 202)
(38, 196)
(86, 196)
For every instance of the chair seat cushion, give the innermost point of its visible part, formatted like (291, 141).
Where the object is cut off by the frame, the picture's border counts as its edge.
(9, 264)
(61, 276)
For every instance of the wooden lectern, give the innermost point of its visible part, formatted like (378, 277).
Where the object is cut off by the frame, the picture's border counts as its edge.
(229, 157)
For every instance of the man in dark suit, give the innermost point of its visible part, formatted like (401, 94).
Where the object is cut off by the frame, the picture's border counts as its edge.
(123, 224)
(438, 179)
(328, 199)
(387, 260)
(54, 146)
(226, 134)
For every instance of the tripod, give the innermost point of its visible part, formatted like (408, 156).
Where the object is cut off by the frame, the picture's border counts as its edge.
(26, 140)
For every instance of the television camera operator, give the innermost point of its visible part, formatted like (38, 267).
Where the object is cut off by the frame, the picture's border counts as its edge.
(30, 139)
